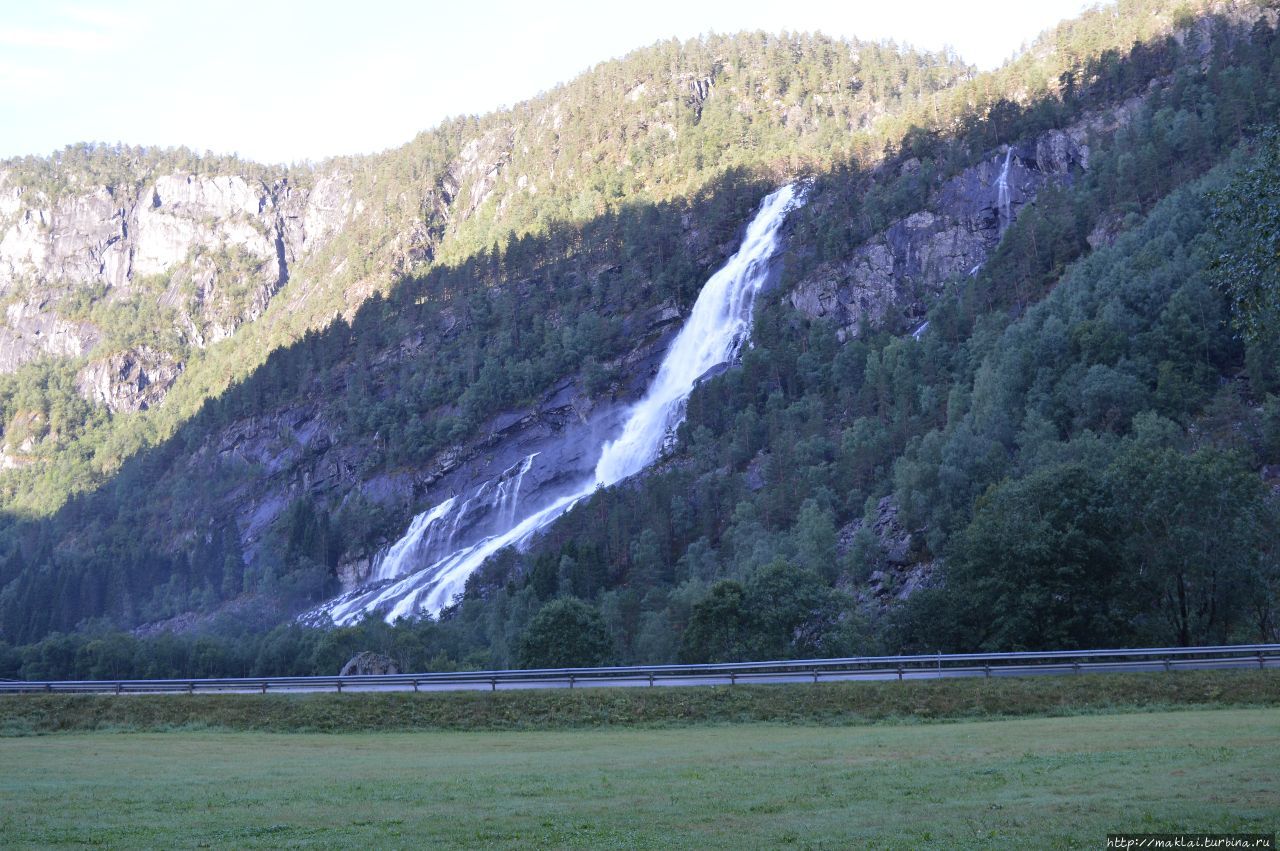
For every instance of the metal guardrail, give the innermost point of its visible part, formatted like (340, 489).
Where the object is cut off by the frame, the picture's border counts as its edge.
(921, 666)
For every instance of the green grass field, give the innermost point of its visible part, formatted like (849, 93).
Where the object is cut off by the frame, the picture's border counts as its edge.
(1046, 782)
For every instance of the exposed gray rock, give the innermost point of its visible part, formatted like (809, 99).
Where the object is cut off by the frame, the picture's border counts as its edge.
(352, 573)
(327, 207)
(32, 329)
(1104, 233)
(477, 169)
(1057, 153)
(10, 196)
(26, 432)
(366, 663)
(897, 564)
(895, 543)
(132, 380)
(223, 244)
(885, 281)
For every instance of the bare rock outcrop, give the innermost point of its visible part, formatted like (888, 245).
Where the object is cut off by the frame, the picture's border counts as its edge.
(885, 281)
(894, 556)
(132, 380)
(221, 246)
(474, 175)
(25, 433)
(31, 328)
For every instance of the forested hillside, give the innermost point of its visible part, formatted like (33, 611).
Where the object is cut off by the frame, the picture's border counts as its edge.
(113, 274)
(1078, 446)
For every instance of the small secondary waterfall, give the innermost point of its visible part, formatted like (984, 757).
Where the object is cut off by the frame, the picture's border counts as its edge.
(422, 534)
(426, 570)
(432, 532)
(1004, 201)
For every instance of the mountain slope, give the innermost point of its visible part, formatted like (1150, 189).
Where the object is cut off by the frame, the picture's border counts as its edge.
(839, 462)
(94, 237)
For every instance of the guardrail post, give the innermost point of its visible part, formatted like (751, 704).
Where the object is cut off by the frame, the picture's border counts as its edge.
(815, 675)
(1075, 666)
(899, 672)
(339, 686)
(733, 678)
(415, 685)
(493, 683)
(1168, 666)
(264, 688)
(571, 681)
(986, 669)
(48, 687)
(1262, 663)
(191, 688)
(651, 678)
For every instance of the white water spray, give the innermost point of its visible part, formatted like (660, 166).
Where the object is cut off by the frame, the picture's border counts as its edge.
(717, 327)
(421, 536)
(1004, 200)
(430, 536)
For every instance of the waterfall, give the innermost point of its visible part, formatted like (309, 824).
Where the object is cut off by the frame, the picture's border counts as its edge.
(509, 490)
(1004, 201)
(421, 535)
(716, 329)
(428, 575)
(432, 532)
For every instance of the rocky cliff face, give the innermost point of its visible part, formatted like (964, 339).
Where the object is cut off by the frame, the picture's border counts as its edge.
(32, 328)
(214, 248)
(888, 280)
(27, 431)
(132, 380)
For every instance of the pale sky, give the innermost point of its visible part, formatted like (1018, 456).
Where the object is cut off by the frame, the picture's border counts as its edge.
(280, 82)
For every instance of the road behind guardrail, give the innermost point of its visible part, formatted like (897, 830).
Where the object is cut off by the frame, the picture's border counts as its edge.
(1252, 656)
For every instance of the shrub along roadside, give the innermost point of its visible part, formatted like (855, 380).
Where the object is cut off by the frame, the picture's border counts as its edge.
(825, 703)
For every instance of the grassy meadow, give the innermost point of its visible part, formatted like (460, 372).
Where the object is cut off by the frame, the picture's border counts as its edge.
(1048, 782)
(1052, 762)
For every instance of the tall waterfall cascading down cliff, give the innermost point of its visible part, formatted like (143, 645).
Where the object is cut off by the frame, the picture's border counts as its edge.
(427, 568)
(1004, 199)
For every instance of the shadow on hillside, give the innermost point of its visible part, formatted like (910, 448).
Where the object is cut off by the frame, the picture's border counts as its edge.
(420, 370)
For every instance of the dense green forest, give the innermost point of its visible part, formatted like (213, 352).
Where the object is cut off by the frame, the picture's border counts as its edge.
(657, 126)
(1075, 442)
(643, 130)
